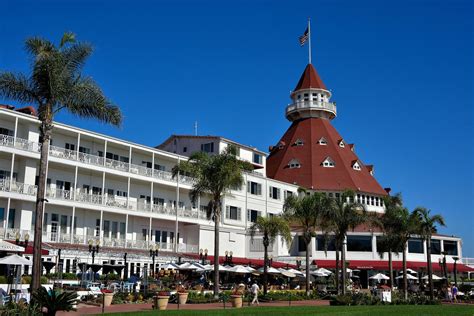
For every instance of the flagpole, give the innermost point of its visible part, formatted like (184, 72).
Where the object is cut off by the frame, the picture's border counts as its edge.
(309, 40)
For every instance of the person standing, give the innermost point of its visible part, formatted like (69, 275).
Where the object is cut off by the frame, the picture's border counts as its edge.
(254, 290)
(450, 294)
(455, 293)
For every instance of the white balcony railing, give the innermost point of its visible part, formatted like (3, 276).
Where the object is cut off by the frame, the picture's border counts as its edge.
(17, 187)
(89, 159)
(19, 143)
(312, 105)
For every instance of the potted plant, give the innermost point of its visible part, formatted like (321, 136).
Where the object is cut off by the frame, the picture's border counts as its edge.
(182, 296)
(108, 296)
(236, 298)
(161, 300)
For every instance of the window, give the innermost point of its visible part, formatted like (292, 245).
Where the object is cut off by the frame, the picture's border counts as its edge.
(328, 163)
(254, 188)
(450, 247)
(232, 212)
(11, 218)
(114, 229)
(301, 244)
(435, 246)
(274, 193)
(415, 245)
(322, 141)
(159, 167)
(121, 193)
(306, 96)
(45, 221)
(298, 142)
(321, 243)
(110, 192)
(6, 131)
(356, 165)
(84, 150)
(294, 163)
(288, 193)
(207, 148)
(97, 227)
(185, 149)
(106, 228)
(144, 233)
(5, 174)
(342, 144)
(63, 224)
(164, 236)
(70, 146)
(122, 230)
(359, 243)
(252, 215)
(257, 158)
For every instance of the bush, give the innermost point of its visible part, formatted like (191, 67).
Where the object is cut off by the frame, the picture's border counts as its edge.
(27, 280)
(3, 279)
(355, 299)
(65, 276)
(285, 295)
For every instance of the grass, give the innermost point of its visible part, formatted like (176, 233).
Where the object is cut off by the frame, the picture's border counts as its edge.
(387, 310)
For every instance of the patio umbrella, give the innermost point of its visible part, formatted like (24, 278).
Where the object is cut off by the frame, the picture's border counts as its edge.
(409, 277)
(409, 271)
(169, 266)
(297, 272)
(379, 276)
(15, 260)
(187, 266)
(239, 269)
(287, 273)
(322, 270)
(433, 276)
(319, 274)
(270, 270)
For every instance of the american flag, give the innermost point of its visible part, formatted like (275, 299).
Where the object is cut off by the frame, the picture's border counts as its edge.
(303, 38)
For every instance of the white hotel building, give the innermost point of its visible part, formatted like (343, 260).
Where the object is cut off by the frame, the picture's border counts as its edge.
(122, 194)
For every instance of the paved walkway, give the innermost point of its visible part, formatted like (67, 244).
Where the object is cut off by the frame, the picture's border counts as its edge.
(89, 310)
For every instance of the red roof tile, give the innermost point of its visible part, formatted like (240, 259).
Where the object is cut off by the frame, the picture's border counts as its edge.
(312, 174)
(310, 79)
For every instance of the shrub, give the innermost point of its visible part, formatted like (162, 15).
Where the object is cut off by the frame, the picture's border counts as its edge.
(53, 301)
(3, 279)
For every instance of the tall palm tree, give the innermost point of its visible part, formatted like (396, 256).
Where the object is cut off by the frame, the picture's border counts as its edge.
(305, 211)
(214, 175)
(345, 214)
(427, 225)
(270, 227)
(389, 242)
(56, 82)
(404, 225)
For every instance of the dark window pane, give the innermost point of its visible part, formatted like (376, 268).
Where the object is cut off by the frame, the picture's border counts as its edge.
(435, 247)
(415, 245)
(359, 243)
(451, 247)
(320, 243)
(301, 244)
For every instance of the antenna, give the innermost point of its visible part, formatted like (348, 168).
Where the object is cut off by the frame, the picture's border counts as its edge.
(196, 128)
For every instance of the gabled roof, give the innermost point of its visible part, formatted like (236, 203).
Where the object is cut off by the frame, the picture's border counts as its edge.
(312, 175)
(310, 79)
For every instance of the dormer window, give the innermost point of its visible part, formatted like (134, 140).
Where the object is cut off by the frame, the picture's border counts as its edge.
(371, 169)
(294, 163)
(298, 142)
(356, 165)
(281, 145)
(328, 163)
(322, 141)
(341, 143)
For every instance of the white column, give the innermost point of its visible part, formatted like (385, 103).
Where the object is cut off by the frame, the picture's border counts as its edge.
(15, 131)
(149, 232)
(12, 166)
(105, 151)
(78, 144)
(128, 193)
(75, 183)
(101, 230)
(177, 207)
(126, 229)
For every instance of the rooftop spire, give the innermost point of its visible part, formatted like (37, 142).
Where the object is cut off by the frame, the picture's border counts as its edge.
(310, 79)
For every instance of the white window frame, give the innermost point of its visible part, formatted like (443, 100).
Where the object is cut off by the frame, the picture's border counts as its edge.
(294, 163)
(328, 163)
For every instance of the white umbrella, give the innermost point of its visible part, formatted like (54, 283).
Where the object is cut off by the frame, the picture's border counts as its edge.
(15, 260)
(270, 270)
(287, 273)
(210, 267)
(297, 272)
(322, 270)
(409, 277)
(187, 266)
(170, 266)
(319, 274)
(379, 276)
(433, 276)
(239, 269)
(409, 271)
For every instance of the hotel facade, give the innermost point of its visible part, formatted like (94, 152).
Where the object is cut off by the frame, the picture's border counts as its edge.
(122, 196)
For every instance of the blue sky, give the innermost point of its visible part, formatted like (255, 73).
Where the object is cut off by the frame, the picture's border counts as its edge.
(401, 73)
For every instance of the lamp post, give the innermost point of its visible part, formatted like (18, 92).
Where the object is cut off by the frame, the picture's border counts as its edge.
(93, 249)
(125, 270)
(228, 257)
(203, 256)
(455, 270)
(153, 254)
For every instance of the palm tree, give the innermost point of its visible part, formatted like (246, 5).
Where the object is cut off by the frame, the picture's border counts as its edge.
(305, 211)
(54, 302)
(388, 241)
(345, 214)
(427, 225)
(270, 228)
(56, 82)
(214, 175)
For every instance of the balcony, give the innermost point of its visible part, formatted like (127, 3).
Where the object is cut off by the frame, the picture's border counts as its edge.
(301, 107)
(112, 164)
(20, 143)
(17, 187)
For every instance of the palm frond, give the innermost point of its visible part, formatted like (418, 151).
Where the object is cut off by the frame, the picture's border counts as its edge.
(68, 37)
(16, 87)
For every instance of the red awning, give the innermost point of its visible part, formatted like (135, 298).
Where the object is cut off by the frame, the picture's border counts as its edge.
(29, 248)
(245, 261)
(397, 265)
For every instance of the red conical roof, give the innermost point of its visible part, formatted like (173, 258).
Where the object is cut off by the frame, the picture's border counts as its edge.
(310, 79)
(310, 155)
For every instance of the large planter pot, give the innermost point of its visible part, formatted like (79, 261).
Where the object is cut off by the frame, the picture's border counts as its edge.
(108, 298)
(163, 302)
(236, 301)
(182, 298)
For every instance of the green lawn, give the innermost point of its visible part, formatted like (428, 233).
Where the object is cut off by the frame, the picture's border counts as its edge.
(395, 310)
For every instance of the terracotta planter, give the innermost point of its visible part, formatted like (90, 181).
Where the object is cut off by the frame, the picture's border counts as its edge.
(182, 298)
(236, 301)
(108, 298)
(163, 302)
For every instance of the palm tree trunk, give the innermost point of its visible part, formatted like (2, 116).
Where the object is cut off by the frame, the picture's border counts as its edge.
(265, 268)
(405, 280)
(390, 268)
(45, 135)
(217, 216)
(337, 269)
(343, 265)
(308, 243)
(430, 272)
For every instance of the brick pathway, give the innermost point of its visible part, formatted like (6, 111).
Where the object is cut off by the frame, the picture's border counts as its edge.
(88, 310)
